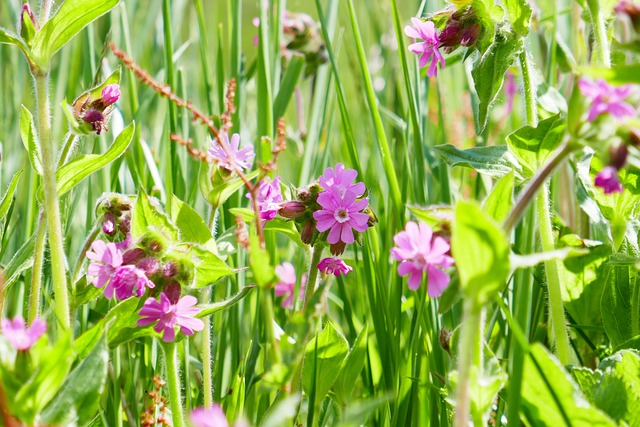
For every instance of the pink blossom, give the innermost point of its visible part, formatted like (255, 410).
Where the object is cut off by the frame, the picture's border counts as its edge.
(287, 284)
(419, 251)
(606, 98)
(239, 158)
(209, 417)
(19, 335)
(341, 214)
(128, 281)
(110, 94)
(334, 265)
(269, 198)
(169, 315)
(428, 47)
(607, 179)
(107, 258)
(342, 180)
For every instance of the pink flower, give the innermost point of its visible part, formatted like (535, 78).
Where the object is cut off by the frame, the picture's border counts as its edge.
(209, 417)
(606, 98)
(239, 158)
(419, 251)
(169, 315)
(428, 47)
(107, 258)
(287, 284)
(269, 198)
(128, 281)
(334, 265)
(110, 94)
(21, 337)
(510, 89)
(342, 180)
(607, 179)
(341, 214)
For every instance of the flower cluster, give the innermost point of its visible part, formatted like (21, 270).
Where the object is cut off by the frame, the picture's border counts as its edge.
(420, 251)
(91, 110)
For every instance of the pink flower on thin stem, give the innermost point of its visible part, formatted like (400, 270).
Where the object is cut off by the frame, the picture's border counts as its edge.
(341, 215)
(287, 284)
(419, 251)
(428, 47)
(269, 198)
(606, 98)
(607, 179)
(209, 417)
(107, 258)
(239, 157)
(19, 335)
(334, 265)
(169, 315)
(128, 281)
(342, 180)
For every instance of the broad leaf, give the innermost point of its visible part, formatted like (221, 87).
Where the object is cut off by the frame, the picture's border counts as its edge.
(209, 267)
(499, 203)
(495, 161)
(519, 13)
(191, 226)
(147, 214)
(351, 368)
(617, 304)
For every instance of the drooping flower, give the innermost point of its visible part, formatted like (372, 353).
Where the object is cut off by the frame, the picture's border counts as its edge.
(19, 335)
(110, 94)
(428, 47)
(342, 180)
(209, 417)
(334, 265)
(606, 98)
(341, 215)
(238, 157)
(287, 284)
(128, 281)
(607, 179)
(169, 315)
(107, 258)
(269, 198)
(419, 251)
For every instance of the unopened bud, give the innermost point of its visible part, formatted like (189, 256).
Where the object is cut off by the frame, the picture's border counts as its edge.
(109, 224)
(308, 231)
(132, 256)
(125, 224)
(169, 269)
(150, 266)
(634, 137)
(445, 339)
(110, 94)
(618, 156)
(28, 24)
(291, 209)
(154, 242)
(173, 290)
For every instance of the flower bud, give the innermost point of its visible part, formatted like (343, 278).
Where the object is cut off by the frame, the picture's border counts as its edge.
(169, 269)
(291, 209)
(308, 232)
(109, 224)
(618, 156)
(173, 290)
(632, 10)
(150, 266)
(132, 256)
(445, 340)
(96, 119)
(28, 24)
(125, 224)
(154, 242)
(110, 94)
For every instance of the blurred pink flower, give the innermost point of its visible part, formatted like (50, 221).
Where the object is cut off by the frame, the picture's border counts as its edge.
(342, 180)
(607, 179)
(341, 214)
(419, 251)
(287, 284)
(269, 198)
(209, 417)
(428, 47)
(510, 90)
(239, 157)
(107, 258)
(110, 94)
(606, 98)
(168, 315)
(21, 337)
(128, 281)
(334, 265)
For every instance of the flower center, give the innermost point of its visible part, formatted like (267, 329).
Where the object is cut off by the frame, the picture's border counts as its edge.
(341, 215)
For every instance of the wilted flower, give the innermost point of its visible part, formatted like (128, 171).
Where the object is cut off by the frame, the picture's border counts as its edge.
(269, 198)
(607, 179)
(419, 251)
(334, 265)
(341, 214)
(209, 417)
(606, 98)
(428, 47)
(342, 180)
(169, 315)
(19, 335)
(107, 258)
(239, 157)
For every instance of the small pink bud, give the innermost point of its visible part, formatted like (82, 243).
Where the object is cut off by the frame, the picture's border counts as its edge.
(110, 94)
(109, 224)
(308, 231)
(173, 290)
(132, 256)
(291, 209)
(170, 269)
(149, 265)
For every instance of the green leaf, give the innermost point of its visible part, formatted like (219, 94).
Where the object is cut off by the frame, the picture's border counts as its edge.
(81, 167)
(283, 411)
(532, 146)
(481, 251)
(488, 72)
(7, 198)
(209, 267)
(191, 226)
(79, 398)
(209, 309)
(260, 262)
(619, 74)
(323, 359)
(616, 304)
(353, 364)
(550, 398)
(146, 214)
(288, 85)
(68, 21)
(531, 260)
(498, 204)
(22, 260)
(218, 191)
(28, 134)
(519, 13)
(7, 38)
(495, 161)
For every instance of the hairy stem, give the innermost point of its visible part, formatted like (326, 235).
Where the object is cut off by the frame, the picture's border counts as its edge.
(67, 149)
(600, 32)
(173, 380)
(529, 91)
(36, 273)
(51, 203)
(313, 275)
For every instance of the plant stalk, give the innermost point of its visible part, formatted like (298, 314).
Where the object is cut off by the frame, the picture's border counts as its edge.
(173, 380)
(600, 32)
(313, 275)
(205, 350)
(36, 273)
(529, 91)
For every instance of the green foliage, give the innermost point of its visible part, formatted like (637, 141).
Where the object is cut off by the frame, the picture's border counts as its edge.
(499, 203)
(495, 161)
(7, 198)
(27, 132)
(351, 368)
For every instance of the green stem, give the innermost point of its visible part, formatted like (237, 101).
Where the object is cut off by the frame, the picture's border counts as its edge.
(529, 91)
(207, 363)
(556, 309)
(313, 275)
(470, 358)
(51, 203)
(36, 273)
(67, 149)
(173, 380)
(600, 32)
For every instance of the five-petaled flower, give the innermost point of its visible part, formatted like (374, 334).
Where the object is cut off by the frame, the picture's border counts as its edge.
(107, 258)
(428, 47)
(269, 198)
(169, 315)
(342, 180)
(341, 215)
(607, 179)
(334, 265)
(237, 158)
(419, 251)
(606, 98)
(19, 335)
